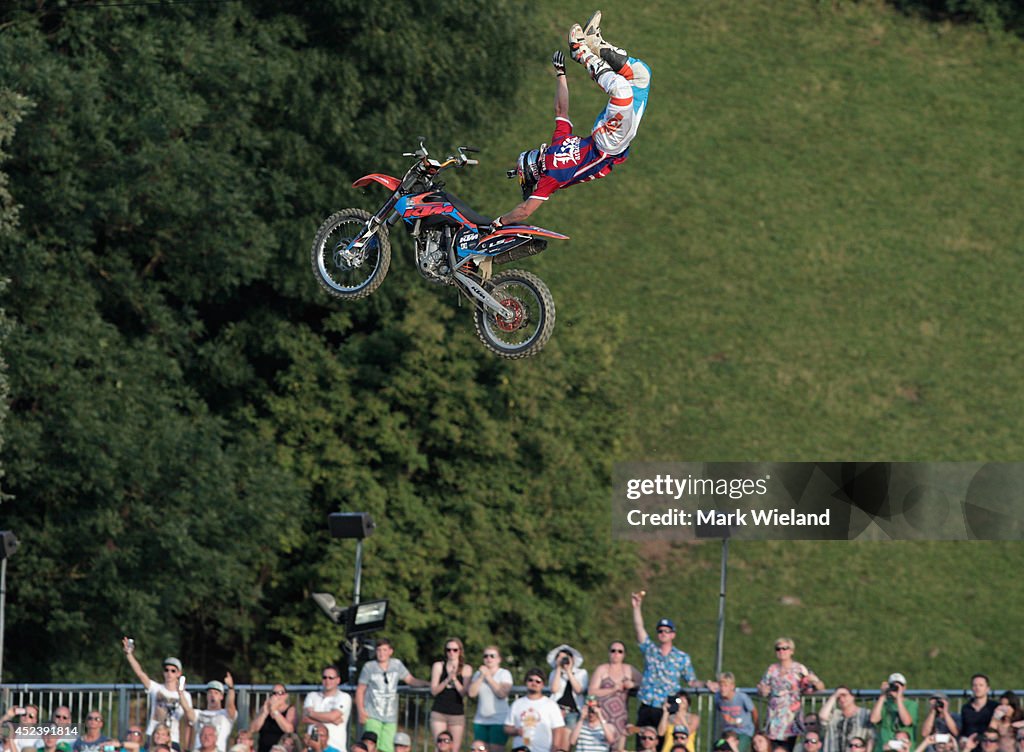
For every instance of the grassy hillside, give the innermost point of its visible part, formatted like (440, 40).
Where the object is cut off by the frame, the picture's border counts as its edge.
(813, 253)
(938, 612)
(816, 244)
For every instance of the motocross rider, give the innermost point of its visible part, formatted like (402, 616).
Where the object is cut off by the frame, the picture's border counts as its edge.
(572, 159)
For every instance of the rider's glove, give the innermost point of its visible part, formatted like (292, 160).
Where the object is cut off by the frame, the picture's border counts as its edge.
(491, 228)
(558, 61)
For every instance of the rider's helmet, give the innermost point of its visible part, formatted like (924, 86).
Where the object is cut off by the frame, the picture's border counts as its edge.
(529, 168)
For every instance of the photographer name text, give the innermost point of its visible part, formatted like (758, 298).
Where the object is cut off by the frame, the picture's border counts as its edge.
(735, 518)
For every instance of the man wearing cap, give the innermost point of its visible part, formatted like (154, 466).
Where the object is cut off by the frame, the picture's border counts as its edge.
(330, 706)
(892, 712)
(166, 703)
(842, 720)
(402, 742)
(369, 738)
(666, 668)
(939, 720)
(535, 720)
(217, 715)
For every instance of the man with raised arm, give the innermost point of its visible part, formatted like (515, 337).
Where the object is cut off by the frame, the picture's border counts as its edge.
(667, 669)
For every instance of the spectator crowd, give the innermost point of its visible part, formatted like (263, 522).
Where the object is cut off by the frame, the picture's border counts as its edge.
(564, 708)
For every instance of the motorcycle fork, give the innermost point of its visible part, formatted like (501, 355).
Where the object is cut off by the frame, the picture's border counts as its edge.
(352, 250)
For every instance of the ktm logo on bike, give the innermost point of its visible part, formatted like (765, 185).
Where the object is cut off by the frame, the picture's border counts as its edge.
(428, 210)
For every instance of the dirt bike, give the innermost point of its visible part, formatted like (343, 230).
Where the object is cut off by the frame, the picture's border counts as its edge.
(455, 246)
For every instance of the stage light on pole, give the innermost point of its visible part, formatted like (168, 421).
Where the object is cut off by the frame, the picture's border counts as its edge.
(366, 617)
(329, 606)
(359, 618)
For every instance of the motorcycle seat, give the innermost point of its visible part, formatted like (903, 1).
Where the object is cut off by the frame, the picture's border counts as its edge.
(467, 212)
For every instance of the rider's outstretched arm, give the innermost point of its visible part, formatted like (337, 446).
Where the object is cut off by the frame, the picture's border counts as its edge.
(520, 212)
(561, 85)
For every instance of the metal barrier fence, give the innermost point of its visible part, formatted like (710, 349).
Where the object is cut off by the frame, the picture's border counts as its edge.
(124, 704)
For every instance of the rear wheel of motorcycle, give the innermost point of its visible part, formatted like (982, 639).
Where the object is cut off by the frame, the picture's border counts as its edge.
(532, 315)
(349, 278)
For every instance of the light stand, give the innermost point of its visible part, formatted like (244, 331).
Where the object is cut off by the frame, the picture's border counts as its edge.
(358, 618)
(8, 545)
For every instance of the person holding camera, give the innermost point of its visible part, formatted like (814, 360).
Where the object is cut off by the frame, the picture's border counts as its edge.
(318, 739)
(842, 720)
(677, 723)
(940, 742)
(22, 715)
(939, 720)
(594, 732)
(568, 682)
(1008, 718)
(892, 712)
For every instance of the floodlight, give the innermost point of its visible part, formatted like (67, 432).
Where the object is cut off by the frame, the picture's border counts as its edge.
(356, 525)
(366, 617)
(330, 607)
(8, 544)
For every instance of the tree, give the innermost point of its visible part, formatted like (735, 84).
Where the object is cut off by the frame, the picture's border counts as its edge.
(187, 407)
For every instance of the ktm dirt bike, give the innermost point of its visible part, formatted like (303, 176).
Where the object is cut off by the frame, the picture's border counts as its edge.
(351, 254)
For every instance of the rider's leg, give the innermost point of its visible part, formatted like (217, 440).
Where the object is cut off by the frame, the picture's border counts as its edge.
(582, 54)
(616, 125)
(616, 57)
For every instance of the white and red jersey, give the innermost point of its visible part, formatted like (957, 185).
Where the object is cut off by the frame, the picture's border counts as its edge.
(573, 159)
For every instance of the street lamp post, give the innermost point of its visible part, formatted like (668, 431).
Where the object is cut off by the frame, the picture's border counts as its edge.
(8, 545)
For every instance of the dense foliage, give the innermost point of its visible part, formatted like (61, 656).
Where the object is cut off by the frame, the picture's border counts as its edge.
(995, 15)
(186, 408)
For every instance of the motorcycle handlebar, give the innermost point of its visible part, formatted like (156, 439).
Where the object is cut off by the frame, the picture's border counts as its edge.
(462, 159)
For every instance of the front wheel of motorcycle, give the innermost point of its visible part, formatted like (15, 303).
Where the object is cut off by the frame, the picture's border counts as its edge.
(531, 315)
(345, 272)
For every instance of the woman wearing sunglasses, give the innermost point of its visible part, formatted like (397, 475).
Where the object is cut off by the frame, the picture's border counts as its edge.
(275, 719)
(449, 681)
(490, 686)
(611, 684)
(783, 684)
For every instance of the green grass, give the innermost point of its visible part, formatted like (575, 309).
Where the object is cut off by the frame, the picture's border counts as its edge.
(937, 612)
(817, 242)
(813, 253)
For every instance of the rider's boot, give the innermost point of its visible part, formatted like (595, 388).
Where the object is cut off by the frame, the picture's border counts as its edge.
(582, 54)
(616, 57)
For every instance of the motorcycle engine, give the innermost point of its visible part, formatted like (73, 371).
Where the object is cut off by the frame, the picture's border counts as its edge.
(432, 258)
